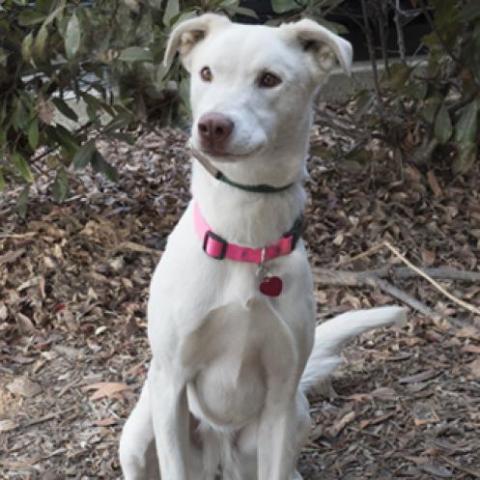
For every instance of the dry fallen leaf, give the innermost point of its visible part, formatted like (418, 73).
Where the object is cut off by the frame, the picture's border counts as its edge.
(424, 414)
(105, 422)
(7, 425)
(471, 348)
(24, 386)
(105, 389)
(419, 377)
(469, 331)
(340, 424)
(434, 185)
(10, 257)
(428, 257)
(474, 368)
(437, 470)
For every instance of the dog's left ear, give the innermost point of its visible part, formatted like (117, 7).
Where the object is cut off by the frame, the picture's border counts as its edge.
(188, 33)
(322, 44)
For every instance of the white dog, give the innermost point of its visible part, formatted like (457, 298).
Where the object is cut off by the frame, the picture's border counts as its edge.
(231, 312)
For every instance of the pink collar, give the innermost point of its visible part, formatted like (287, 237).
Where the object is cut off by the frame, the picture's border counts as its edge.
(216, 247)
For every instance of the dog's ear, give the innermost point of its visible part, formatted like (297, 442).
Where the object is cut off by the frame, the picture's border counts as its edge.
(322, 44)
(188, 33)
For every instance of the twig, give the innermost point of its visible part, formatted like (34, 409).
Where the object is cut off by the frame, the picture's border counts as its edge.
(399, 29)
(418, 271)
(371, 53)
(462, 468)
(444, 291)
(404, 297)
(382, 21)
(443, 273)
(367, 253)
(370, 278)
(360, 279)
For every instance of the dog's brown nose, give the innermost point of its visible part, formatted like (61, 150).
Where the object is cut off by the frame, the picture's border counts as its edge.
(215, 129)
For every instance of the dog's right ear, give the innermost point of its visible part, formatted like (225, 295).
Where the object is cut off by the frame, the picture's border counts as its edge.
(188, 33)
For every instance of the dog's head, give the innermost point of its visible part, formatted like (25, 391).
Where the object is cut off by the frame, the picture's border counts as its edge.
(252, 89)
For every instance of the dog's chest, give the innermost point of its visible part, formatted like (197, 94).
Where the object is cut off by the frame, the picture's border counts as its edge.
(227, 352)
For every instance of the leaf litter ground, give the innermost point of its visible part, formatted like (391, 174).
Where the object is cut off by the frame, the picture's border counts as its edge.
(73, 291)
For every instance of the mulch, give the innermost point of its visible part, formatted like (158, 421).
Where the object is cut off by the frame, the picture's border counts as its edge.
(74, 282)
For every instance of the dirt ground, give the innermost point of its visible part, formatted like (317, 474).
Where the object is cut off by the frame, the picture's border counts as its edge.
(73, 287)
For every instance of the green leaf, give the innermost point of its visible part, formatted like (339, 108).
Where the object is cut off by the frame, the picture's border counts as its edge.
(40, 42)
(246, 12)
(20, 115)
(33, 134)
(22, 202)
(123, 137)
(283, 6)
(31, 17)
(443, 125)
(171, 10)
(22, 167)
(466, 127)
(135, 54)
(94, 104)
(62, 136)
(56, 13)
(72, 36)
(99, 164)
(2, 181)
(430, 108)
(467, 154)
(333, 26)
(27, 47)
(119, 121)
(60, 185)
(470, 12)
(416, 89)
(3, 57)
(399, 75)
(84, 155)
(64, 109)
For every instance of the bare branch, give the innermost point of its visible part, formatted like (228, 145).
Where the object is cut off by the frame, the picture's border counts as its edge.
(371, 53)
(399, 29)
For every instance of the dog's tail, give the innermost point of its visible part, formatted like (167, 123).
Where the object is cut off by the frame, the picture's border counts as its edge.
(332, 335)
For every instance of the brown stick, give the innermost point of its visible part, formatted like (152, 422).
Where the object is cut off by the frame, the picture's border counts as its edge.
(404, 297)
(369, 279)
(344, 277)
(444, 291)
(463, 468)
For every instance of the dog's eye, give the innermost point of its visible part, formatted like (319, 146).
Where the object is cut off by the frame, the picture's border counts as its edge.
(268, 80)
(206, 74)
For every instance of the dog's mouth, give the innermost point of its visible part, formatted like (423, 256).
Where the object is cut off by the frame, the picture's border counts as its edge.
(226, 156)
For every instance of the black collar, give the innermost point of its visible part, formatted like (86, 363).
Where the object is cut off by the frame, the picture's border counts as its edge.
(261, 188)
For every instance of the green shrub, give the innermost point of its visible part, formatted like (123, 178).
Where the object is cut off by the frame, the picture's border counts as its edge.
(429, 110)
(106, 55)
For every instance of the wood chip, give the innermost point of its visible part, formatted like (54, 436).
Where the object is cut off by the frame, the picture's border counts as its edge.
(24, 386)
(419, 377)
(105, 389)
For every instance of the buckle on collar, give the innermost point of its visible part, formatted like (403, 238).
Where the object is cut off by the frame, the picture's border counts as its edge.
(296, 231)
(209, 235)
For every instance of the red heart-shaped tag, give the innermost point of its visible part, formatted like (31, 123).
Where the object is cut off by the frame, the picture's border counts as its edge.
(271, 286)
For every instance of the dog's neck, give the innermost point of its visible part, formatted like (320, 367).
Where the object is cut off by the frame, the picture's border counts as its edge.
(251, 219)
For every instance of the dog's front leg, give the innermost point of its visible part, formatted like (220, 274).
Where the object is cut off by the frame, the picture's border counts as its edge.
(170, 423)
(277, 445)
(277, 437)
